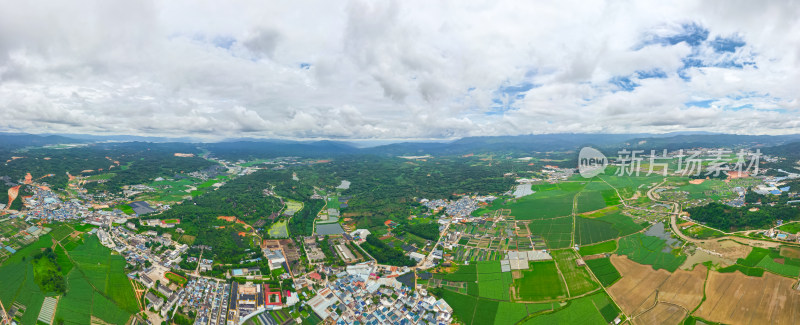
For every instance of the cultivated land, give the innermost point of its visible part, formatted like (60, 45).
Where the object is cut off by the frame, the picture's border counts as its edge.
(758, 300)
(541, 281)
(578, 279)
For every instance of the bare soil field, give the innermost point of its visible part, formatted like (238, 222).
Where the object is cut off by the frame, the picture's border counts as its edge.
(734, 298)
(637, 284)
(656, 297)
(662, 314)
(792, 252)
(700, 256)
(729, 249)
(684, 288)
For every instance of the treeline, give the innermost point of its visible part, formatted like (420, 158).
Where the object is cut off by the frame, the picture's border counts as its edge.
(429, 231)
(729, 218)
(302, 223)
(386, 254)
(48, 273)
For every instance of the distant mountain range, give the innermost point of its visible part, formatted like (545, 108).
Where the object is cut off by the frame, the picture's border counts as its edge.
(251, 148)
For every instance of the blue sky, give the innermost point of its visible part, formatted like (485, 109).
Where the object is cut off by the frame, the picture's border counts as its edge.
(398, 69)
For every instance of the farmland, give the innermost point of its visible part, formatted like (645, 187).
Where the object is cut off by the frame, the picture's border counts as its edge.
(604, 247)
(768, 299)
(593, 309)
(672, 296)
(605, 272)
(557, 233)
(649, 250)
(279, 230)
(541, 282)
(578, 279)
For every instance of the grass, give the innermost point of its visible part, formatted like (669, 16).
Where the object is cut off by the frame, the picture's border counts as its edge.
(511, 313)
(702, 232)
(647, 250)
(604, 247)
(579, 281)
(540, 282)
(464, 273)
(791, 228)
(172, 277)
(605, 272)
(125, 209)
(279, 230)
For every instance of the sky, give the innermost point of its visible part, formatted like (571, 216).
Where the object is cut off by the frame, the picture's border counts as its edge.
(398, 69)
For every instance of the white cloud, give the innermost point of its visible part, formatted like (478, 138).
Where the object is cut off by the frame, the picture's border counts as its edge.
(393, 69)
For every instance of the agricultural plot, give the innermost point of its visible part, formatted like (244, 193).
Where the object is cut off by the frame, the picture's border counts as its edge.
(759, 300)
(768, 259)
(590, 231)
(17, 281)
(492, 282)
(59, 232)
(536, 206)
(579, 281)
(279, 230)
(511, 313)
(605, 272)
(590, 201)
(649, 250)
(463, 305)
(624, 224)
(641, 287)
(292, 207)
(629, 185)
(604, 247)
(464, 273)
(701, 232)
(593, 309)
(557, 233)
(541, 282)
(75, 306)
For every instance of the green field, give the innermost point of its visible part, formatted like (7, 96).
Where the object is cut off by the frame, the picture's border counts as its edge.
(579, 281)
(540, 282)
(464, 273)
(701, 232)
(279, 230)
(605, 272)
(768, 259)
(746, 270)
(628, 185)
(590, 231)
(61, 231)
(18, 284)
(791, 228)
(593, 309)
(126, 209)
(604, 247)
(557, 233)
(510, 313)
(172, 277)
(492, 283)
(647, 250)
(591, 201)
(463, 305)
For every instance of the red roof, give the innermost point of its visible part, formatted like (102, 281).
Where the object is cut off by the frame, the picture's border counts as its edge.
(315, 276)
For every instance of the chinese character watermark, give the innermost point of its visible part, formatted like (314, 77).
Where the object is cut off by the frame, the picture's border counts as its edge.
(691, 163)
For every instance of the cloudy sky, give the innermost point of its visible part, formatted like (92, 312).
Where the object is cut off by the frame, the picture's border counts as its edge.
(405, 69)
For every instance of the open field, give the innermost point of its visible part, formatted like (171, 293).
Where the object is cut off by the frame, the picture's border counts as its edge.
(591, 201)
(492, 282)
(540, 282)
(637, 285)
(604, 247)
(656, 296)
(593, 309)
(590, 231)
(759, 300)
(544, 204)
(510, 313)
(579, 281)
(279, 230)
(557, 233)
(605, 272)
(172, 277)
(649, 250)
